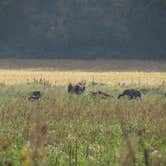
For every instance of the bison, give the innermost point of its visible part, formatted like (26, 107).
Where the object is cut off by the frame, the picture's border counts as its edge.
(131, 93)
(100, 94)
(35, 95)
(78, 88)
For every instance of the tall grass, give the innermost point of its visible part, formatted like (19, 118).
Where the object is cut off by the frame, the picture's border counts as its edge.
(62, 129)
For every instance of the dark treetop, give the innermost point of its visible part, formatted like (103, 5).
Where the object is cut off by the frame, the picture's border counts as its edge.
(83, 28)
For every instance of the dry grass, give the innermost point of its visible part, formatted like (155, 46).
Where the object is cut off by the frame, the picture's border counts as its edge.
(64, 77)
(61, 72)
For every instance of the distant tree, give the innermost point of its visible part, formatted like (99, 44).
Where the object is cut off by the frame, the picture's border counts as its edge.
(5, 3)
(83, 27)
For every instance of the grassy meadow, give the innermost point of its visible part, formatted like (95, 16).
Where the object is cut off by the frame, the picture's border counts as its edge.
(64, 129)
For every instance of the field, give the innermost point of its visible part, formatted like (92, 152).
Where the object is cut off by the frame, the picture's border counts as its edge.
(61, 72)
(64, 129)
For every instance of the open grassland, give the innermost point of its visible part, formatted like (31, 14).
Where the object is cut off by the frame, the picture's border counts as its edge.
(64, 77)
(61, 72)
(64, 129)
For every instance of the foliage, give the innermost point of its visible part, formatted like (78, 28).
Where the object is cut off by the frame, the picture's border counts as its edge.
(83, 28)
(6, 3)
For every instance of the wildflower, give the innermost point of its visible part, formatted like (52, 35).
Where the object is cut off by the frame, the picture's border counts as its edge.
(25, 156)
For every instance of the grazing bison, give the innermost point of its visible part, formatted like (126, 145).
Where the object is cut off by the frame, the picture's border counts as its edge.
(77, 88)
(36, 95)
(100, 94)
(131, 93)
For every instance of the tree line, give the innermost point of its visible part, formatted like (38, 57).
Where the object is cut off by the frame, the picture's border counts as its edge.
(83, 28)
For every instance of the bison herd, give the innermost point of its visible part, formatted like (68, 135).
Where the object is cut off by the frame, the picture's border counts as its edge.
(80, 87)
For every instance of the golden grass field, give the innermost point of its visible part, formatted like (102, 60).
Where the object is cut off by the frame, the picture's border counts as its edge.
(65, 71)
(62, 129)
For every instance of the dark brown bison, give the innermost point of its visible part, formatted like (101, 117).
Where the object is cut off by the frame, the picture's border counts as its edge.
(35, 95)
(131, 93)
(100, 94)
(78, 88)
